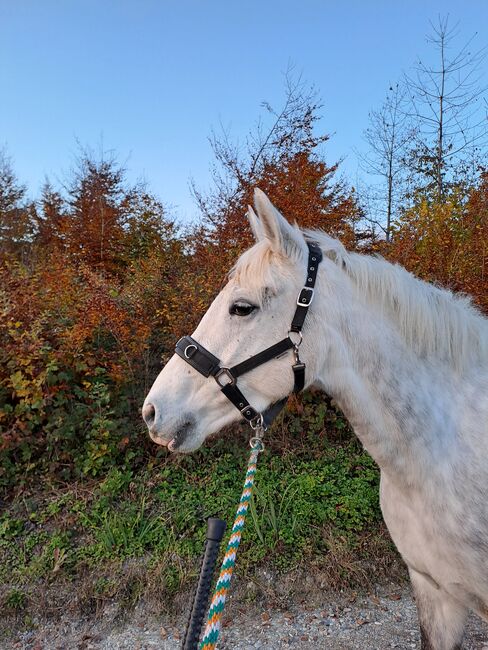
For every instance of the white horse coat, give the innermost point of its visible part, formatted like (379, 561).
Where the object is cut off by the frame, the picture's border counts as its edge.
(407, 363)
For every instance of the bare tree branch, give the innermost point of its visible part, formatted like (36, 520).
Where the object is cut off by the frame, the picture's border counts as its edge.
(444, 101)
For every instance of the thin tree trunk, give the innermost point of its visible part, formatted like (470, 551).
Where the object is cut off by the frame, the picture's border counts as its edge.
(390, 199)
(440, 141)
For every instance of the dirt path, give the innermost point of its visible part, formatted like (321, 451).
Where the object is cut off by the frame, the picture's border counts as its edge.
(381, 622)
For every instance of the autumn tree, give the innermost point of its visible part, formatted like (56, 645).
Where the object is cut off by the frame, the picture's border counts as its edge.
(51, 219)
(148, 230)
(447, 241)
(283, 156)
(17, 214)
(447, 107)
(97, 213)
(156, 266)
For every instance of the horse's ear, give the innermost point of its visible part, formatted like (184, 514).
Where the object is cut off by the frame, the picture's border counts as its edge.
(255, 224)
(284, 238)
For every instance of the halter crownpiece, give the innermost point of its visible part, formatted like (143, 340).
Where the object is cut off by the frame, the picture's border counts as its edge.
(208, 364)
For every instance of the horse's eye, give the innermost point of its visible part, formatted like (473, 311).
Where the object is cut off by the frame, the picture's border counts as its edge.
(241, 308)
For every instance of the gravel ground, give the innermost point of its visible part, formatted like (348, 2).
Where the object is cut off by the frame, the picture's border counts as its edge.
(374, 622)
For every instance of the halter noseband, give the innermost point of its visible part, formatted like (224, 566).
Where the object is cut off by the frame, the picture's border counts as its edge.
(209, 365)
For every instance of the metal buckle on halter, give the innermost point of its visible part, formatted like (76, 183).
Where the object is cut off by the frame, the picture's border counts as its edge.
(305, 297)
(252, 416)
(225, 372)
(186, 351)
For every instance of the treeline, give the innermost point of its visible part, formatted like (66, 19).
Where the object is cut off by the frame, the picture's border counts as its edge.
(97, 281)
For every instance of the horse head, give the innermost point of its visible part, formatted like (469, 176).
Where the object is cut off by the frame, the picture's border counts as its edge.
(251, 313)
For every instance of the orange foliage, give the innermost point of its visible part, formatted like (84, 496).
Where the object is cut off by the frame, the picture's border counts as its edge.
(448, 242)
(108, 286)
(302, 187)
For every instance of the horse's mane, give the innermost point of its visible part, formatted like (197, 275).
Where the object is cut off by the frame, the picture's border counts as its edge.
(433, 321)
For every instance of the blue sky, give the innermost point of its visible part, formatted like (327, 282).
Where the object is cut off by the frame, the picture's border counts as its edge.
(149, 79)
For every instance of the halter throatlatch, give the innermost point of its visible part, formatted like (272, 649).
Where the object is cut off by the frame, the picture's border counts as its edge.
(208, 365)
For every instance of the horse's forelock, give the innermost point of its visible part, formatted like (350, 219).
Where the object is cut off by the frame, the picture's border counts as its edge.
(260, 269)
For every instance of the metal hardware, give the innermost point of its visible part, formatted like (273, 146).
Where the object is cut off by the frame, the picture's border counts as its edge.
(257, 423)
(187, 354)
(297, 355)
(256, 443)
(296, 344)
(259, 428)
(305, 297)
(226, 373)
(248, 412)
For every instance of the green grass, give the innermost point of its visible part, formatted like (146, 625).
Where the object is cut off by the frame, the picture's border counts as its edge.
(132, 533)
(165, 509)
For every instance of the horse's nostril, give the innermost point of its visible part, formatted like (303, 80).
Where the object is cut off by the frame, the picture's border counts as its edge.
(149, 414)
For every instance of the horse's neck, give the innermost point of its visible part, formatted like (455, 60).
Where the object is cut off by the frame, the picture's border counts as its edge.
(396, 402)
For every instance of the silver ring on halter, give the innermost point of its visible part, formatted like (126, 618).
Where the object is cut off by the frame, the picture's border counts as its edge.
(296, 344)
(187, 354)
(257, 423)
(225, 372)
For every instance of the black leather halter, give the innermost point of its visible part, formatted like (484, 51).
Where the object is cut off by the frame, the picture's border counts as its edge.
(209, 365)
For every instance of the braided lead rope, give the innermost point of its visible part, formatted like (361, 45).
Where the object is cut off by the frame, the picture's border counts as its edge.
(214, 619)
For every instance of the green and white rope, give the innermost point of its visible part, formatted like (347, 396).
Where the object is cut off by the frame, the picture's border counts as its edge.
(214, 619)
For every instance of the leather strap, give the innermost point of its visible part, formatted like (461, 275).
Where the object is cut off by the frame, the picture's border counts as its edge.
(299, 375)
(306, 294)
(240, 402)
(197, 356)
(273, 411)
(261, 357)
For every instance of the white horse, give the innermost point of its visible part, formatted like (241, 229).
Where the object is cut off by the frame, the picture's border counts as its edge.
(407, 363)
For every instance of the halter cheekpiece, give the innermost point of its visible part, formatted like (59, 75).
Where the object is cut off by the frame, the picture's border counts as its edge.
(209, 365)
